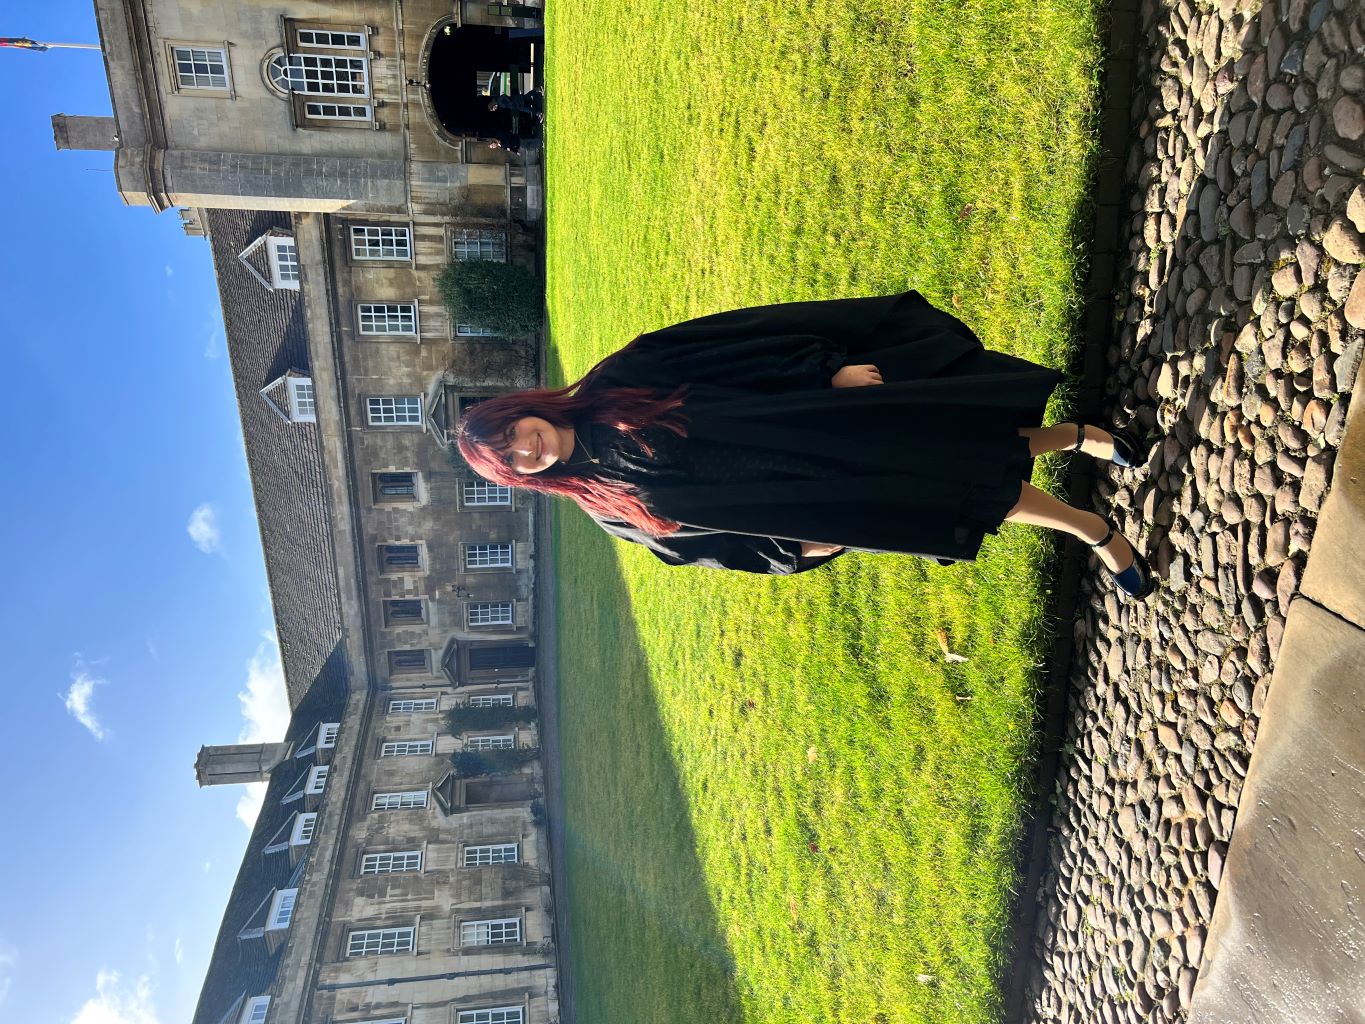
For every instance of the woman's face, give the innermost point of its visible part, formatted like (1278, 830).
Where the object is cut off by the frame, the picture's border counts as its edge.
(532, 445)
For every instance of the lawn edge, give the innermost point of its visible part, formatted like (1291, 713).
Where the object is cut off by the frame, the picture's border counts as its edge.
(1087, 367)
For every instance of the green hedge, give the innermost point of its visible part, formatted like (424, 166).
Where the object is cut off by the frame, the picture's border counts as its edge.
(470, 719)
(493, 295)
(470, 764)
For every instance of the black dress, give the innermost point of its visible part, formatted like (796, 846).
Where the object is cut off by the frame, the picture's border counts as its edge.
(926, 463)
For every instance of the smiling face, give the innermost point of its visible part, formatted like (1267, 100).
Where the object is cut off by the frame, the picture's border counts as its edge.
(533, 445)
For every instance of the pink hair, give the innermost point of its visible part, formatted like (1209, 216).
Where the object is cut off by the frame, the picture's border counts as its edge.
(483, 430)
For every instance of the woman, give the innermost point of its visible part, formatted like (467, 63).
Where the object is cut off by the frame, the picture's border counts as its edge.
(774, 438)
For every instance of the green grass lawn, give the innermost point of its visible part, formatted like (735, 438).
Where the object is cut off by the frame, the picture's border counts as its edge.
(783, 805)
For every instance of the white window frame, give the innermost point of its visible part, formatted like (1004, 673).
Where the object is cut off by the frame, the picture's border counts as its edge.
(488, 556)
(370, 315)
(381, 242)
(285, 271)
(493, 700)
(394, 410)
(194, 86)
(490, 613)
(501, 741)
(372, 941)
(470, 331)
(412, 705)
(327, 734)
(397, 862)
(281, 909)
(491, 854)
(307, 37)
(254, 1011)
(332, 75)
(305, 825)
(408, 748)
(403, 800)
(494, 931)
(485, 494)
(493, 1015)
(303, 401)
(478, 244)
(330, 110)
(317, 779)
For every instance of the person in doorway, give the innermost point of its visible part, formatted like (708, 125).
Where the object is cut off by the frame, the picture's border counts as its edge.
(775, 438)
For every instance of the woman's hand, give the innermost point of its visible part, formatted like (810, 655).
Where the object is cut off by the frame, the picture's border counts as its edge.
(812, 550)
(857, 376)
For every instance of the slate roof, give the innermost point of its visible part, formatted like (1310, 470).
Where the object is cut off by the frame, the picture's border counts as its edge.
(241, 968)
(266, 337)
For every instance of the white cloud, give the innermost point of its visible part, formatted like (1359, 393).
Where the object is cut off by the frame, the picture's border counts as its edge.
(179, 951)
(265, 708)
(78, 700)
(170, 270)
(203, 529)
(116, 1003)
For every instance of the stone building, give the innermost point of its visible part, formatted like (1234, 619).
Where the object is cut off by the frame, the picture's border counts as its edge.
(334, 157)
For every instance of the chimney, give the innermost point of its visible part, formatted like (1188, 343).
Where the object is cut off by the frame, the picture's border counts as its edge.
(71, 131)
(242, 762)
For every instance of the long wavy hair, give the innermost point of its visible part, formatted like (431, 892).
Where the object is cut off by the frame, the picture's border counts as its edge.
(485, 429)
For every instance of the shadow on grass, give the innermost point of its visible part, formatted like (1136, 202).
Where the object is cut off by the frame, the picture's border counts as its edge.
(647, 943)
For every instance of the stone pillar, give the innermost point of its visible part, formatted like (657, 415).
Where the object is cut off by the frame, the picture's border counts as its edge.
(242, 762)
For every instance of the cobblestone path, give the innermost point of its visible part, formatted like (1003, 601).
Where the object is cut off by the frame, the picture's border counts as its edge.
(1238, 345)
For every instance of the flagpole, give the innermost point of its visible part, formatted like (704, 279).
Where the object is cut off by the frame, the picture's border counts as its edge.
(75, 46)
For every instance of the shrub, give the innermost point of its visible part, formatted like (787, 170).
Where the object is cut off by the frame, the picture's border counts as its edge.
(497, 296)
(470, 719)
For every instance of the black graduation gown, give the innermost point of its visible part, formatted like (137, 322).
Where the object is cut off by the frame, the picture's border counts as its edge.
(926, 463)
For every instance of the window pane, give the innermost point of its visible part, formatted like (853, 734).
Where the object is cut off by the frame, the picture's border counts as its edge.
(330, 39)
(374, 941)
(395, 410)
(484, 492)
(469, 244)
(200, 68)
(495, 853)
(490, 933)
(498, 1015)
(490, 613)
(320, 75)
(493, 700)
(401, 556)
(395, 486)
(399, 801)
(408, 707)
(406, 748)
(507, 742)
(488, 556)
(408, 661)
(388, 318)
(337, 111)
(391, 863)
(380, 243)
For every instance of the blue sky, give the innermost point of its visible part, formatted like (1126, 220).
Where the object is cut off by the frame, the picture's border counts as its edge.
(128, 640)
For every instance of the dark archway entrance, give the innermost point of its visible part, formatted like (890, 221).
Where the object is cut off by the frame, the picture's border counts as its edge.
(468, 62)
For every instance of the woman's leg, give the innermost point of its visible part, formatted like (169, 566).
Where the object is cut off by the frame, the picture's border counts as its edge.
(1038, 508)
(1098, 444)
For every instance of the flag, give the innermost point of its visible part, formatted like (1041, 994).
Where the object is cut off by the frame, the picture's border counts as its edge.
(22, 43)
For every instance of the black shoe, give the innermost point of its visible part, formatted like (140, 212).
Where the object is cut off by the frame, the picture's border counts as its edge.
(1129, 449)
(1135, 582)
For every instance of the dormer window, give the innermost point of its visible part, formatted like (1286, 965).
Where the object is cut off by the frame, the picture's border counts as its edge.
(317, 780)
(284, 262)
(327, 734)
(281, 909)
(254, 1011)
(302, 406)
(304, 825)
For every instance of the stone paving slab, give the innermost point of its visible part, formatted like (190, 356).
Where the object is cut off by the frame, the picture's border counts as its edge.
(1285, 946)
(1237, 346)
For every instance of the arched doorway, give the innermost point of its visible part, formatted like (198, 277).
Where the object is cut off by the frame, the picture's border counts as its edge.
(466, 65)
